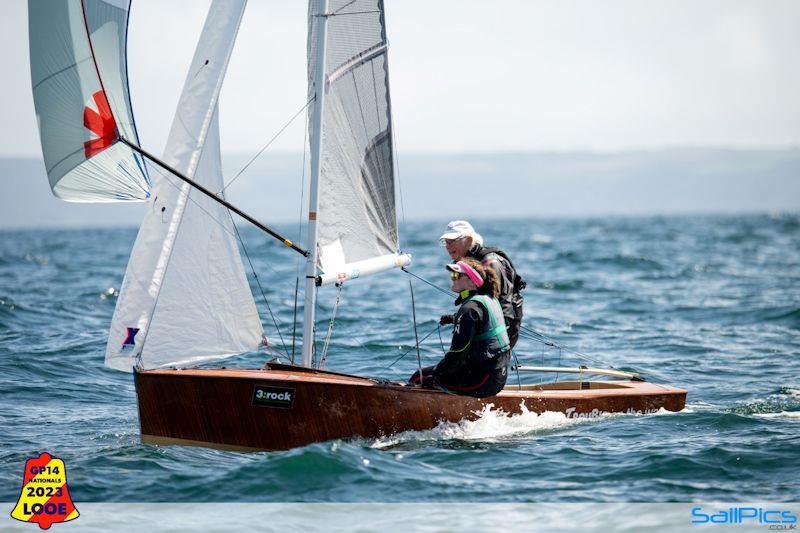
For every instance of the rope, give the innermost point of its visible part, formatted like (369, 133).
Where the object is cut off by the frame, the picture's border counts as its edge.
(516, 362)
(294, 318)
(525, 332)
(413, 347)
(437, 287)
(330, 327)
(416, 335)
(441, 342)
(267, 145)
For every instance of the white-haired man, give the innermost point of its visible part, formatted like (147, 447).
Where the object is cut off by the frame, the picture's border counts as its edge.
(461, 240)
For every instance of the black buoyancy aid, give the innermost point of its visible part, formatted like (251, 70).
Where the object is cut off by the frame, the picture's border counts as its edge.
(510, 297)
(480, 253)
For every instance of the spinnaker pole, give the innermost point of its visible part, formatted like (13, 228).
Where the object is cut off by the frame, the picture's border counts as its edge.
(213, 196)
(313, 202)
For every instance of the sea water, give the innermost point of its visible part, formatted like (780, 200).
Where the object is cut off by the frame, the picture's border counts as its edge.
(707, 303)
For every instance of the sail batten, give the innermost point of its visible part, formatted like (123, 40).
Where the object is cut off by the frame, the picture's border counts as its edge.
(356, 216)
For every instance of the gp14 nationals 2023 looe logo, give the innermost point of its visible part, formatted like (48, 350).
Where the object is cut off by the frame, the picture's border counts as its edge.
(44, 498)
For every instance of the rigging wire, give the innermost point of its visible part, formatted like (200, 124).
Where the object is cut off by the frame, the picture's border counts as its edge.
(235, 234)
(294, 318)
(267, 145)
(298, 264)
(416, 335)
(525, 332)
(437, 287)
(324, 356)
(413, 347)
(258, 282)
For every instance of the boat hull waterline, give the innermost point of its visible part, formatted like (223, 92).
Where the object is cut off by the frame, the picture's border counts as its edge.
(283, 407)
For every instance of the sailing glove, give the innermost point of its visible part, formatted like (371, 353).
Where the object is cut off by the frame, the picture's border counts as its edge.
(446, 319)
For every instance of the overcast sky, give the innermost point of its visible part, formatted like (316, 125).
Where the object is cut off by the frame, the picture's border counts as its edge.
(479, 76)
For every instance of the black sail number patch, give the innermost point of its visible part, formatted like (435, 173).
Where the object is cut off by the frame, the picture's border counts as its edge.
(273, 396)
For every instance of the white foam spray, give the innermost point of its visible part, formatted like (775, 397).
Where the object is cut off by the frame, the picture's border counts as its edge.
(490, 426)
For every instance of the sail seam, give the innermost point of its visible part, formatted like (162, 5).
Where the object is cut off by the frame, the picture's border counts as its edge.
(56, 73)
(356, 61)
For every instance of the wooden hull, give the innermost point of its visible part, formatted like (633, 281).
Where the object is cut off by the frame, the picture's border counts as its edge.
(282, 407)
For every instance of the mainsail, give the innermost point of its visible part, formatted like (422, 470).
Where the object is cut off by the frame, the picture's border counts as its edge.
(356, 215)
(185, 298)
(80, 92)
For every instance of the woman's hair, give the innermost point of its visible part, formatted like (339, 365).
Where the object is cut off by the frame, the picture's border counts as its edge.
(491, 283)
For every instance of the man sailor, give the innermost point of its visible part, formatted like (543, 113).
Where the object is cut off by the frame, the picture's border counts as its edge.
(462, 241)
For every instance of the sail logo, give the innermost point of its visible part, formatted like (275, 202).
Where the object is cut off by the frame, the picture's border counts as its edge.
(273, 397)
(130, 343)
(101, 123)
(45, 498)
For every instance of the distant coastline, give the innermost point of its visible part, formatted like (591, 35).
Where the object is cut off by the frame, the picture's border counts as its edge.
(492, 185)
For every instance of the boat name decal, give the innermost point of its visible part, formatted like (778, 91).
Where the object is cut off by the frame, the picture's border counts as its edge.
(273, 396)
(596, 413)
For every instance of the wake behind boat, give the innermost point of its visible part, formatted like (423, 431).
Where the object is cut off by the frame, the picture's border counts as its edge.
(186, 299)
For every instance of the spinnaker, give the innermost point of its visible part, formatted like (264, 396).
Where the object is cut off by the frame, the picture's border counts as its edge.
(80, 92)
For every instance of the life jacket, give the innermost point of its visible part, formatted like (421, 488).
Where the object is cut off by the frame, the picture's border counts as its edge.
(510, 301)
(494, 334)
(518, 283)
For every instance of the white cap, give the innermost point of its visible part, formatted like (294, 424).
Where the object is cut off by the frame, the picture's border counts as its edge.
(456, 229)
(460, 228)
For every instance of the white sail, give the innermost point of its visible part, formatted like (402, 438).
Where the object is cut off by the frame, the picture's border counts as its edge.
(185, 298)
(80, 91)
(356, 216)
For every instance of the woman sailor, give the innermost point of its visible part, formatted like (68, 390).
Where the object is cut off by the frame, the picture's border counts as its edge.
(477, 362)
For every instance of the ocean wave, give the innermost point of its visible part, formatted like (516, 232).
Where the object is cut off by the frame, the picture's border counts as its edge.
(491, 425)
(784, 399)
(539, 238)
(792, 415)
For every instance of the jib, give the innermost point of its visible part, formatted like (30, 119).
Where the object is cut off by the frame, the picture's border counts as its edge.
(47, 508)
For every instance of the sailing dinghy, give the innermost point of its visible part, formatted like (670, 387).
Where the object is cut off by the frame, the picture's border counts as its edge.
(185, 298)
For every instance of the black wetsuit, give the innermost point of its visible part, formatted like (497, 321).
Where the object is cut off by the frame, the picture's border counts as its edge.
(471, 367)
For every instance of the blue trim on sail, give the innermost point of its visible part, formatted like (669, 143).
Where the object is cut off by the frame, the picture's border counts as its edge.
(141, 164)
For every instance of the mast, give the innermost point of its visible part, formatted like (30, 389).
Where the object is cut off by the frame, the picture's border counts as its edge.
(313, 203)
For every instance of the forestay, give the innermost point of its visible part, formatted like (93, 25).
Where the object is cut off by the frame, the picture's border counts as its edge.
(356, 218)
(80, 92)
(185, 298)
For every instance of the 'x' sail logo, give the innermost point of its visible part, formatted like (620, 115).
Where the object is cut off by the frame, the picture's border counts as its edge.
(129, 342)
(101, 123)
